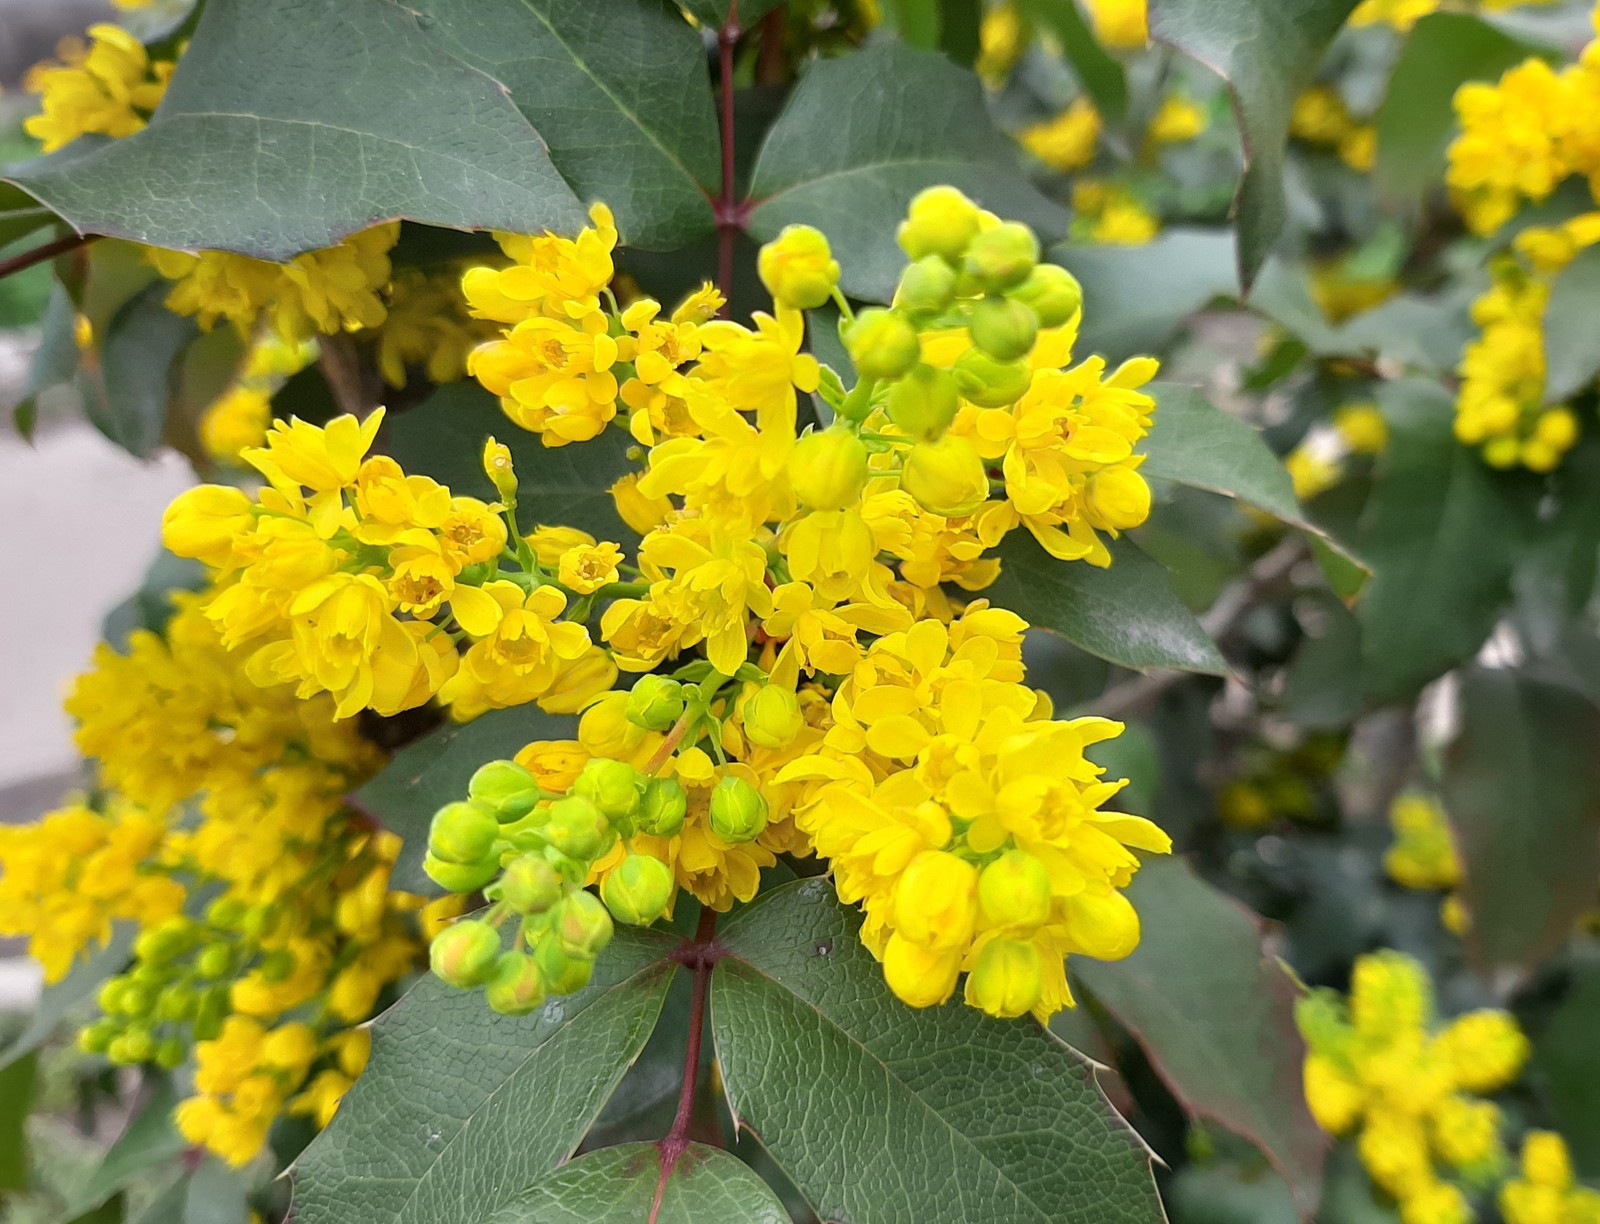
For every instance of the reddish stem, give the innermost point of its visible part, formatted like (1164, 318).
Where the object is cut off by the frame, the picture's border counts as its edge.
(57, 246)
(701, 955)
(729, 216)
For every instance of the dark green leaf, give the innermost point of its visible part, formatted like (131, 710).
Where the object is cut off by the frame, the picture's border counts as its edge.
(1215, 1016)
(77, 987)
(1220, 1192)
(150, 1139)
(216, 1195)
(1415, 122)
(16, 1099)
(1267, 53)
(619, 1185)
(1127, 614)
(126, 398)
(1567, 1059)
(285, 127)
(113, 1212)
(1572, 351)
(864, 133)
(434, 770)
(1101, 75)
(1443, 531)
(1323, 686)
(898, 1118)
(21, 215)
(55, 361)
(1522, 789)
(460, 1109)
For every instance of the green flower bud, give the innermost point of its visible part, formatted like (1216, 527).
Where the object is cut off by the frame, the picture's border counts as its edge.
(165, 940)
(257, 922)
(277, 965)
(664, 808)
(1053, 292)
(568, 868)
(612, 786)
(798, 268)
(772, 717)
(828, 468)
(882, 343)
(505, 790)
(214, 960)
(738, 810)
(578, 828)
(946, 477)
(529, 885)
(655, 702)
(564, 972)
(580, 924)
(225, 913)
(96, 1038)
(1004, 328)
(990, 383)
(177, 1003)
(1007, 980)
(1014, 891)
(638, 889)
(927, 287)
(924, 402)
(1002, 257)
(515, 987)
(460, 877)
(940, 221)
(465, 953)
(462, 833)
(138, 1045)
(120, 1052)
(111, 994)
(215, 1007)
(170, 1054)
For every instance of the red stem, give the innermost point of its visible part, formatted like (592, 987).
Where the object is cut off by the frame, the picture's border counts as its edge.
(57, 246)
(701, 955)
(729, 217)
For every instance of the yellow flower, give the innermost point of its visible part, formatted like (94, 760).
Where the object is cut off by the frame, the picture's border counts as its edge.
(1123, 24)
(1176, 120)
(427, 327)
(235, 422)
(553, 376)
(1066, 142)
(708, 582)
(521, 646)
(1401, 14)
(588, 567)
(109, 89)
(1423, 855)
(552, 276)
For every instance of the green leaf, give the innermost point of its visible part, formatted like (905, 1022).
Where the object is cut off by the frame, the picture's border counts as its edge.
(1322, 690)
(1267, 53)
(150, 1139)
(898, 1117)
(570, 485)
(1522, 789)
(216, 1195)
(434, 770)
(627, 1184)
(1572, 352)
(21, 215)
(1215, 1016)
(150, 607)
(54, 362)
(1121, 316)
(77, 987)
(1567, 1060)
(460, 1109)
(286, 127)
(1098, 70)
(1127, 614)
(1443, 532)
(1416, 120)
(16, 1098)
(126, 398)
(864, 133)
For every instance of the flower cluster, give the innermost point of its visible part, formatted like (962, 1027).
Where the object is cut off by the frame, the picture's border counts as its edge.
(427, 327)
(108, 88)
(1423, 855)
(1378, 1066)
(1321, 118)
(1403, 14)
(1545, 1191)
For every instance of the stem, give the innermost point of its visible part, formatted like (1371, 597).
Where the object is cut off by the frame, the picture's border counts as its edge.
(727, 209)
(700, 956)
(57, 246)
(670, 744)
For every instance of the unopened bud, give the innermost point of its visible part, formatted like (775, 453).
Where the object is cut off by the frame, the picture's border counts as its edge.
(277, 965)
(167, 939)
(798, 268)
(655, 703)
(738, 810)
(96, 1038)
(1001, 258)
(927, 287)
(924, 402)
(936, 900)
(497, 467)
(772, 717)
(214, 960)
(460, 877)
(940, 221)
(663, 809)
(919, 976)
(1119, 497)
(638, 889)
(462, 833)
(612, 786)
(578, 828)
(946, 477)
(1007, 980)
(1014, 890)
(170, 1054)
(1004, 327)
(563, 972)
(828, 468)
(1053, 292)
(177, 1003)
(990, 383)
(464, 953)
(882, 344)
(581, 925)
(529, 884)
(516, 986)
(505, 789)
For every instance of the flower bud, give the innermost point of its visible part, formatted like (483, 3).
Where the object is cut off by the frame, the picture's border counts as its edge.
(990, 383)
(612, 786)
(497, 467)
(277, 965)
(1007, 980)
(216, 1005)
(655, 703)
(516, 986)
(529, 884)
(113, 997)
(462, 833)
(504, 789)
(563, 972)
(1004, 328)
(663, 808)
(1119, 497)
(214, 960)
(940, 221)
(738, 811)
(1053, 292)
(226, 913)
(1002, 257)
(927, 287)
(460, 877)
(638, 889)
(798, 268)
(924, 402)
(465, 953)
(177, 1003)
(946, 477)
(882, 344)
(167, 939)
(578, 828)
(922, 977)
(580, 924)
(828, 468)
(96, 1038)
(1101, 923)
(170, 1054)
(1014, 891)
(772, 716)
(136, 1045)
(936, 900)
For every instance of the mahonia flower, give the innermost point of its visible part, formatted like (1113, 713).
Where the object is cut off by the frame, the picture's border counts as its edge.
(1320, 117)
(1123, 24)
(1177, 119)
(1110, 214)
(110, 88)
(1423, 855)
(427, 326)
(1377, 1066)
(1545, 1191)
(1067, 141)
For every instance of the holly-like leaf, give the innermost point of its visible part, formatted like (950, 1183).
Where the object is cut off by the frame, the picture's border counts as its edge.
(126, 396)
(628, 1184)
(1443, 532)
(1215, 1016)
(1127, 614)
(434, 770)
(292, 123)
(1267, 53)
(461, 1109)
(864, 133)
(79, 985)
(900, 1116)
(1572, 353)
(1522, 789)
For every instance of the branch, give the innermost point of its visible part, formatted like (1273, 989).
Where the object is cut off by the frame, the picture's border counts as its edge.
(701, 956)
(58, 246)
